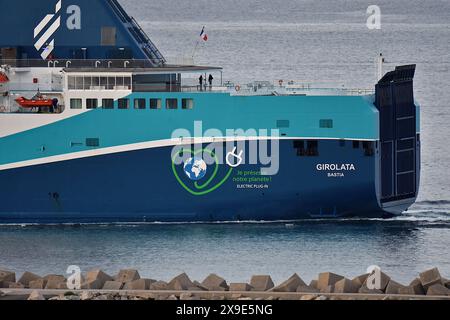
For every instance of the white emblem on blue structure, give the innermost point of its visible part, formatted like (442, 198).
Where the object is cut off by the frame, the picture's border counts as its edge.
(195, 168)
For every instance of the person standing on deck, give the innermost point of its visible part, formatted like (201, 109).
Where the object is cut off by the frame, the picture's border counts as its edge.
(210, 80)
(200, 81)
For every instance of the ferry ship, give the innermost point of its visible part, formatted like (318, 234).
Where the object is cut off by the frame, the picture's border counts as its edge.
(96, 126)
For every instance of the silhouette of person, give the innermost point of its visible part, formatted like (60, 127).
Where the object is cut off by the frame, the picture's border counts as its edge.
(200, 81)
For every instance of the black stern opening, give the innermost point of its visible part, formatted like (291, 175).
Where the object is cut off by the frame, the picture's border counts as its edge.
(394, 98)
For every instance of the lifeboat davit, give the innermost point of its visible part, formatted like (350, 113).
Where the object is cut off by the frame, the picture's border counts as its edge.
(34, 102)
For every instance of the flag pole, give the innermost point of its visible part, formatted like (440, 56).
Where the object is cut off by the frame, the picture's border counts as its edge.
(195, 49)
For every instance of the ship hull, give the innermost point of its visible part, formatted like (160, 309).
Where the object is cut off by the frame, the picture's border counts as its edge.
(145, 186)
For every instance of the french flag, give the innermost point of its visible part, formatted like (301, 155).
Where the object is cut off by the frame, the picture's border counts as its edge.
(203, 35)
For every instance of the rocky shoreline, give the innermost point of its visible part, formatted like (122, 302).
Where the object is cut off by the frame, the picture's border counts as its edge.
(128, 285)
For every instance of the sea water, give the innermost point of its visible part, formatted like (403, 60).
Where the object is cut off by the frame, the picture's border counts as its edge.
(311, 41)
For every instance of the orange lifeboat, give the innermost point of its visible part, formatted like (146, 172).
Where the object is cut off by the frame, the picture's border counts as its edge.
(3, 77)
(34, 102)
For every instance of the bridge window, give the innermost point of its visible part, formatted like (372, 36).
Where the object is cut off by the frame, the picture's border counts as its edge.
(187, 103)
(123, 103)
(171, 103)
(155, 103)
(326, 123)
(91, 103)
(139, 104)
(108, 103)
(355, 144)
(76, 103)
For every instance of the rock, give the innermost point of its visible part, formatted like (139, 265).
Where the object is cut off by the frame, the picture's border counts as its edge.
(172, 297)
(240, 287)
(7, 276)
(438, 290)
(345, 286)
(140, 284)
(384, 281)
(95, 279)
(322, 298)
(430, 277)
(308, 297)
(27, 277)
(127, 275)
(328, 289)
(313, 284)
(214, 282)
(245, 299)
(158, 285)
(261, 283)
(87, 295)
(36, 295)
(15, 285)
(327, 279)
(112, 285)
(187, 296)
(290, 285)
(38, 284)
(307, 289)
(180, 282)
(393, 287)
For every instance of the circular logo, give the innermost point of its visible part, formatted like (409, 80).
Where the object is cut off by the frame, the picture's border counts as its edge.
(195, 168)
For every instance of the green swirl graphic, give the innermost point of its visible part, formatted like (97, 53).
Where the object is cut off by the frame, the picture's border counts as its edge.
(208, 182)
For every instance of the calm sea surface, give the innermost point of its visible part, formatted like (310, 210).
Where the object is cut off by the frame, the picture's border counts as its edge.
(269, 40)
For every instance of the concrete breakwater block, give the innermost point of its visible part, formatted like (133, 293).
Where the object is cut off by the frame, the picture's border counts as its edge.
(394, 287)
(127, 275)
(55, 281)
(180, 282)
(346, 286)
(238, 287)
(139, 284)
(327, 279)
(307, 289)
(438, 290)
(430, 277)
(95, 279)
(113, 285)
(360, 280)
(215, 283)
(27, 277)
(7, 276)
(159, 286)
(38, 284)
(261, 283)
(290, 285)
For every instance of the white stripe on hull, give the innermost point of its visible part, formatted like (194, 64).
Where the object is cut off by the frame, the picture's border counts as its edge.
(147, 145)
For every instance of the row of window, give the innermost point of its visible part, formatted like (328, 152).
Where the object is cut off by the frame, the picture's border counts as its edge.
(310, 148)
(138, 103)
(99, 83)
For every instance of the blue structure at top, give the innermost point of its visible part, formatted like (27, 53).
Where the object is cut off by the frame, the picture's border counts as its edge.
(73, 29)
